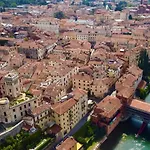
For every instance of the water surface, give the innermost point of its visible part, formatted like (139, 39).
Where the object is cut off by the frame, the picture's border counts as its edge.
(123, 137)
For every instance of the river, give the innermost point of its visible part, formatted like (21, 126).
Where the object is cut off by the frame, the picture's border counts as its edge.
(123, 137)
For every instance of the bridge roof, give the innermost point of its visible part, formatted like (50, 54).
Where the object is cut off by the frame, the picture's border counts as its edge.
(137, 104)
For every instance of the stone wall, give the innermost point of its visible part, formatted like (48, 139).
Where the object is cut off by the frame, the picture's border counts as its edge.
(13, 131)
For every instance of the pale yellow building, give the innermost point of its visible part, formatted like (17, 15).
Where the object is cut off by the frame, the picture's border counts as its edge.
(41, 116)
(70, 110)
(82, 80)
(99, 88)
(15, 110)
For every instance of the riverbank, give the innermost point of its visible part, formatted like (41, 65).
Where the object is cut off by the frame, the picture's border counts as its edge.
(98, 144)
(123, 137)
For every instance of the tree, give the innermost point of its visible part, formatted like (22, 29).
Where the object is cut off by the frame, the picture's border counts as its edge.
(13, 4)
(110, 6)
(121, 6)
(85, 2)
(104, 4)
(81, 140)
(10, 140)
(93, 11)
(143, 62)
(8, 148)
(148, 88)
(59, 15)
(130, 17)
(72, 3)
(90, 132)
(143, 93)
(2, 4)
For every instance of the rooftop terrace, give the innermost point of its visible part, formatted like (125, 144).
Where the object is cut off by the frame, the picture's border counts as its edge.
(20, 99)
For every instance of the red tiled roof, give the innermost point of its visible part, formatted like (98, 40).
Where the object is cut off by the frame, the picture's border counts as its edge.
(62, 107)
(40, 109)
(26, 127)
(54, 129)
(108, 106)
(137, 104)
(67, 144)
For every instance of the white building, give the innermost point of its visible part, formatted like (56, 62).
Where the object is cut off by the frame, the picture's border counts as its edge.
(47, 25)
(11, 86)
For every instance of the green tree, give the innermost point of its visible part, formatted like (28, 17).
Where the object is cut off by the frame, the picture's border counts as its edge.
(121, 6)
(81, 140)
(13, 4)
(148, 88)
(143, 62)
(90, 131)
(86, 2)
(110, 6)
(10, 140)
(143, 93)
(104, 4)
(9, 147)
(2, 4)
(59, 15)
(130, 17)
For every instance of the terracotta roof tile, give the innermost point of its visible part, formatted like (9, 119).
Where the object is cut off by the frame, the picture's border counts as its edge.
(68, 144)
(108, 106)
(62, 107)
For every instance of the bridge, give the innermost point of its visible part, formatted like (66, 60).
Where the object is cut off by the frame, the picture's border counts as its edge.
(140, 110)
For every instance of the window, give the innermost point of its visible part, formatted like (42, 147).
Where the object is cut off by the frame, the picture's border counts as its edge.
(13, 110)
(29, 104)
(15, 116)
(5, 114)
(21, 113)
(25, 112)
(65, 132)
(24, 106)
(34, 101)
(6, 120)
(20, 108)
